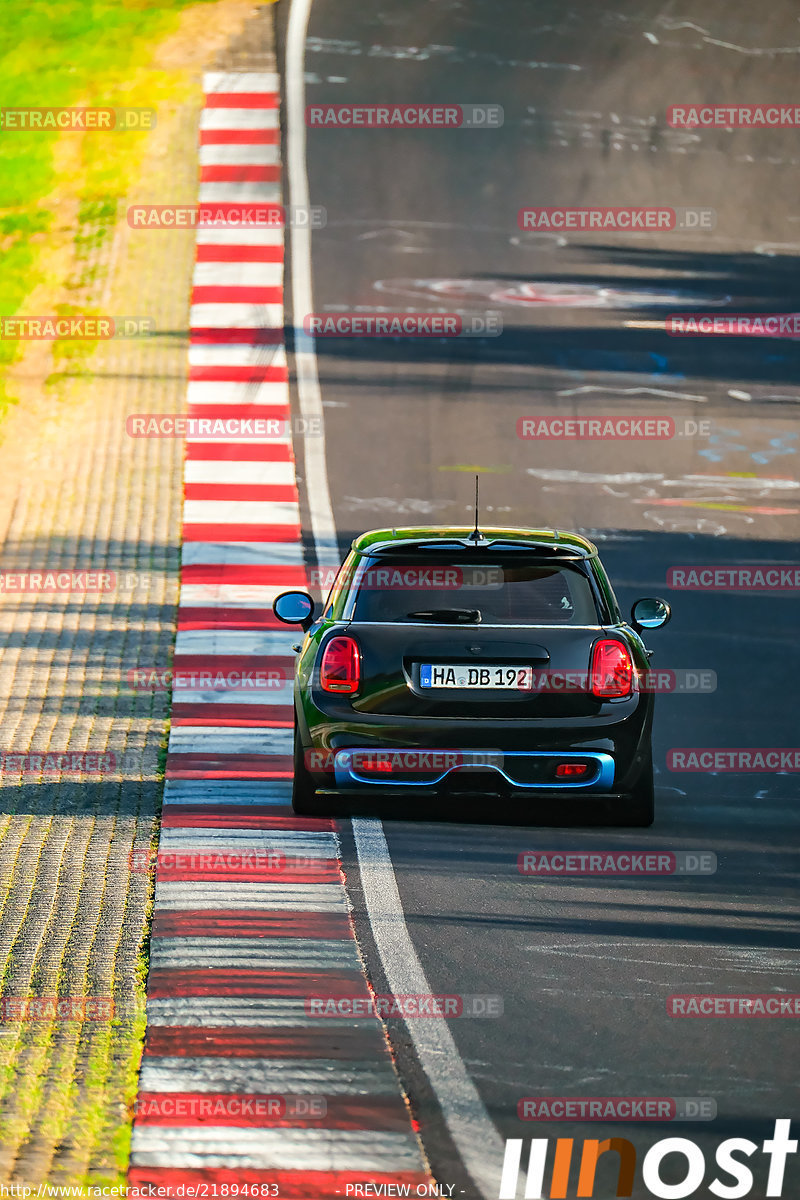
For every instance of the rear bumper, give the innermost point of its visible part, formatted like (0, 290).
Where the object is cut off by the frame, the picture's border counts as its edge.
(519, 770)
(617, 740)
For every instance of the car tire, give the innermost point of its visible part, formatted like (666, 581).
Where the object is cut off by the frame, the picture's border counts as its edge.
(305, 801)
(638, 811)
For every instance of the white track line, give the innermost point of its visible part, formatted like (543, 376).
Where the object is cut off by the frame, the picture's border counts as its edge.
(323, 527)
(475, 1136)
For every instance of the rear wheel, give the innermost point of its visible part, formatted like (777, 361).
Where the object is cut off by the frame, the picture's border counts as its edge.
(638, 809)
(305, 801)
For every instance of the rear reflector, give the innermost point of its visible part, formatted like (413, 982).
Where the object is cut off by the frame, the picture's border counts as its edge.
(611, 669)
(340, 669)
(571, 770)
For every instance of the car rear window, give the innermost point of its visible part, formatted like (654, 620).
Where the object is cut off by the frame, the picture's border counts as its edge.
(505, 592)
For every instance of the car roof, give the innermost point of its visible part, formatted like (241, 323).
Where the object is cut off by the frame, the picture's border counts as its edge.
(452, 537)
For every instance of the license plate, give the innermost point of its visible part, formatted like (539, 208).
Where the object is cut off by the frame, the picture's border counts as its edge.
(487, 677)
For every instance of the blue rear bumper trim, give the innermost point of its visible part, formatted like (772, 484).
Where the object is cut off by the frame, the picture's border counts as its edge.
(348, 776)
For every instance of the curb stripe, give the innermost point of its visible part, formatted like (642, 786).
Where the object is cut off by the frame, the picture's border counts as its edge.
(375, 1077)
(241, 817)
(265, 1112)
(217, 335)
(250, 916)
(235, 100)
(238, 452)
(229, 294)
(249, 172)
(332, 1041)
(241, 491)
(286, 923)
(263, 374)
(231, 662)
(319, 892)
(240, 137)
(270, 1149)
(204, 617)
(220, 252)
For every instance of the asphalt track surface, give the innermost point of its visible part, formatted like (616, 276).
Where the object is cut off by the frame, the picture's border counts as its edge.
(584, 967)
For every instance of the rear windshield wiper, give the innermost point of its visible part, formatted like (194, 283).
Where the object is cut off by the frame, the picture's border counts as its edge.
(459, 616)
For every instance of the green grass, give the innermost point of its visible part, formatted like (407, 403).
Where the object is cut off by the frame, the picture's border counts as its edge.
(63, 53)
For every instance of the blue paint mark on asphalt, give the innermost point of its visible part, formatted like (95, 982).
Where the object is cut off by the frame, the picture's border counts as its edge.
(727, 441)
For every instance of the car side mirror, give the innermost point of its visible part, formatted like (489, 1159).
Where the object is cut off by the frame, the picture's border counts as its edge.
(650, 613)
(294, 608)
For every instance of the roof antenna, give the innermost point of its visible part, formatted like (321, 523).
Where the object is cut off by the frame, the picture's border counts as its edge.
(476, 535)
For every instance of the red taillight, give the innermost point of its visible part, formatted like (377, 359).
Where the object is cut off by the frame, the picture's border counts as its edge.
(371, 764)
(340, 669)
(611, 669)
(571, 770)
